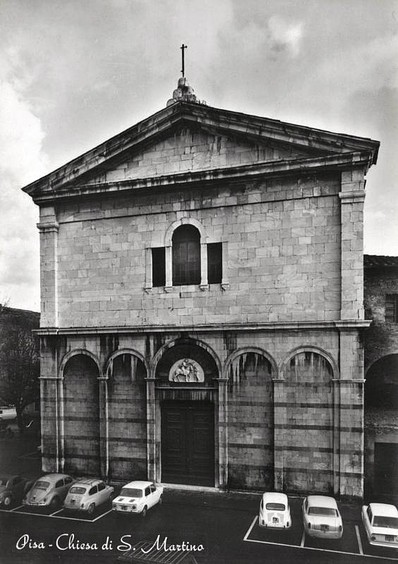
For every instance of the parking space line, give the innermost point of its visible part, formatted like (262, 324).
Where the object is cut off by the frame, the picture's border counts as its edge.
(250, 528)
(19, 507)
(302, 540)
(359, 539)
(100, 516)
(54, 516)
(55, 512)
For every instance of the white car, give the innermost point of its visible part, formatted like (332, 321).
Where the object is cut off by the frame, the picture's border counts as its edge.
(381, 524)
(274, 511)
(87, 495)
(138, 497)
(322, 517)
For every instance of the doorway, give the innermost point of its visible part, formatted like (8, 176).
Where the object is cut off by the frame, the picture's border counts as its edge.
(188, 443)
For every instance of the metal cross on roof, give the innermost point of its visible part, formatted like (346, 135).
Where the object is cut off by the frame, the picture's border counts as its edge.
(183, 47)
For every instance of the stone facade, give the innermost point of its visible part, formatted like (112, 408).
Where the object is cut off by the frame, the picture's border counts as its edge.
(278, 337)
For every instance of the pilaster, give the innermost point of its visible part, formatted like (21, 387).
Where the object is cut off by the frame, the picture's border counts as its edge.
(352, 197)
(222, 432)
(153, 448)
(48, 228)
(280, 420)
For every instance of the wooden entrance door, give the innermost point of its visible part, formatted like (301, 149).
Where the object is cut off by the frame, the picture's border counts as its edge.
(188, 443)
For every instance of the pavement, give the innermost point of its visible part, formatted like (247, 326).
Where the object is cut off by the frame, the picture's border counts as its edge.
(224, 523)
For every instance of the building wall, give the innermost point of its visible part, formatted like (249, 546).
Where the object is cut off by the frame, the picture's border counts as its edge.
(286, 426)
(287, 390)
(281, 256)
(381, 365)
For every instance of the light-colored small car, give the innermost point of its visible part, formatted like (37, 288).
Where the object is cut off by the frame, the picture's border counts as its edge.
(274, 511)
(8, 413)
(381, 524)
(49, 490)
(87, 495)
(138, 497)
(322, 517)
(13, 489)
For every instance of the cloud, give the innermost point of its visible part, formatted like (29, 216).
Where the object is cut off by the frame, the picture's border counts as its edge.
(21, 161)
(285, 36)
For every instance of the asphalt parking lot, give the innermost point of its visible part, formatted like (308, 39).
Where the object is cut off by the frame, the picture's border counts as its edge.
(225, 523)
(353, 542)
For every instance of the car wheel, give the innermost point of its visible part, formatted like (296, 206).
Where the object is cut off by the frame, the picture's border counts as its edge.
(144, 512)
(55, 503)
(160, 500)
(91, 508)
(7, 501)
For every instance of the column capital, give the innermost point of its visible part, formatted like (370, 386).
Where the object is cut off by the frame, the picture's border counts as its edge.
(50, 227)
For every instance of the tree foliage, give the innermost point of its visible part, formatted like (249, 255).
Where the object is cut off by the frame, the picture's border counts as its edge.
(19, 370)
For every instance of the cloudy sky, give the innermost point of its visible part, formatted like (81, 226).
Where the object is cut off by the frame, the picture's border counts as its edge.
(76, 72)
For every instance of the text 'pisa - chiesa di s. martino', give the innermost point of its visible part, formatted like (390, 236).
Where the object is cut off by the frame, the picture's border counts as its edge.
(202, 304)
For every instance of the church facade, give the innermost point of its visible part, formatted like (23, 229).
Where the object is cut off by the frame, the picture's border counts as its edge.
(202, 304)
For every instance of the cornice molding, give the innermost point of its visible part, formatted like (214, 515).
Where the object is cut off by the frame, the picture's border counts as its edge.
(240, 173)
(349, 325)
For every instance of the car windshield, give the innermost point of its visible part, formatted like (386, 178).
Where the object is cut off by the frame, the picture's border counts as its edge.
(324, 511)
(3, 481)
(388, 522)
(42, 485)
(131, 492)
(275, 506)
(77, 490)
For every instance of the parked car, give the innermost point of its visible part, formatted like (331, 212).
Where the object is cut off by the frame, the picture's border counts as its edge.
(322, 517)
(8, 413)
(274, 511)
(138, 497)
(13, 490)
(381, 524)
(87, 495)
(49, 490)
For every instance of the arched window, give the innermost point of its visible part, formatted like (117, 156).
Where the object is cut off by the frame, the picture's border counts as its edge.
(186, 255)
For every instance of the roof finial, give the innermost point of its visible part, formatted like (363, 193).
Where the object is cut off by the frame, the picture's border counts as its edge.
(183, 47)
(184, 92)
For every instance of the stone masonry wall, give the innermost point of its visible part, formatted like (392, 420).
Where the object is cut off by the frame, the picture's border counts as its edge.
(194, 150)
(299, 427)
(281, 244)
(381, 338)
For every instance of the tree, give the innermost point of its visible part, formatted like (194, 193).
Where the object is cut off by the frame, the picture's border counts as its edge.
(19, 370)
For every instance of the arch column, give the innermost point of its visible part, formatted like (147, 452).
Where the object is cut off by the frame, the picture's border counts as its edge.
(103, 425)
(153, 447)
(222, 432)
(280, 421)
(50, 423)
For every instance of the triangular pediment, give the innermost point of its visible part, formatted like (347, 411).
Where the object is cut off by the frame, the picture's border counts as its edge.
(189, 148)
(189, 138)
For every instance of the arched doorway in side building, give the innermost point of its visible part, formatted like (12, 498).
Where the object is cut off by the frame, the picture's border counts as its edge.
(187, 395)
(381, 428)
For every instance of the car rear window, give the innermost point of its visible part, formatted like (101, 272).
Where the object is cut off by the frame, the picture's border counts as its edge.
(275, 506)
(324, 511)
(131, 492)
(42, 485)
(77, 490)
(388, 522)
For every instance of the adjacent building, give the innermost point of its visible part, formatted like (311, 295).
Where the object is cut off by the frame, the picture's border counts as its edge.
(381, 373)
(202, 304)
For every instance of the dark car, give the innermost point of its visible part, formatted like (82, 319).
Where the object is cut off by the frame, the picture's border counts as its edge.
(49, 491)
(13, 490)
